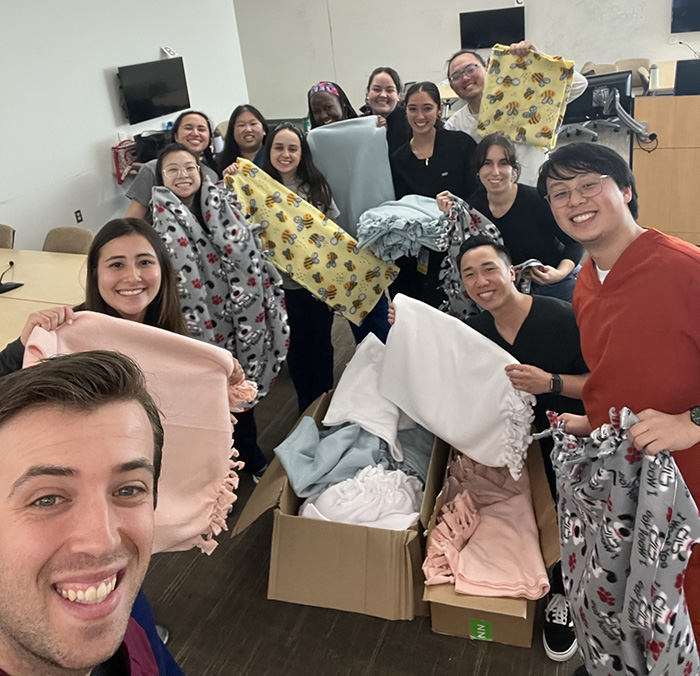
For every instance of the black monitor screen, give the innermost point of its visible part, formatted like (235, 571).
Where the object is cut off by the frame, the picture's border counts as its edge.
(685, 16)
(481, 30)
(589, 106)
(153, 89)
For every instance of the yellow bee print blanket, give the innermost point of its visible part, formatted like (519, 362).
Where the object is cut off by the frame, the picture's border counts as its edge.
(310, 248)
(525, 96)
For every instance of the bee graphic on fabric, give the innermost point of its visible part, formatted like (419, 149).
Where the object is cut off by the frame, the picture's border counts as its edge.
(253, 207)
(308, 220)
(316, 239)
(496, 96)
(300, 223)
(532, 116)
(329, 293)
(288, 237)
(338, 236)
(332, 257)
(540, 79)
(290, 269)
(281, 216)
(521, 63)
(339, 308)
(269, 245)
(293, 200)
(566, 73)
(311, 260)
(317, 277)
(548, 96)
(351, 247)
(390, 273)
(357, 303)
(377, 288)
(512, 107)
(529, 93)
(271, 199)
(349, 265)
(495, 66)
(248, 170)
(287, 253)
(508, 81)
(545, 132)
(372, 274)
(247, 189)
(482, 124)
(350, 285)
(498, 115)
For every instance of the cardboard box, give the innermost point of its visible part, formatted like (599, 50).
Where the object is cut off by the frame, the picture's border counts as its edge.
(334, 565)
(502, 620)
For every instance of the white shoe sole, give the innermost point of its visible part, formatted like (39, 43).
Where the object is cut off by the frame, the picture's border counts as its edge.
(560, 657)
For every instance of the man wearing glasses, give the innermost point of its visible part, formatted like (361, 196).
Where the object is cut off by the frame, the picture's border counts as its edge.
(636, 307)
(466, 71)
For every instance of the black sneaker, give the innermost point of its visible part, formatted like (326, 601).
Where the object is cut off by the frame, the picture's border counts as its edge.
(558, 635)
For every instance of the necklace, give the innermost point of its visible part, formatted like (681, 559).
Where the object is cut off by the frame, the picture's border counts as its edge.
(413, 148)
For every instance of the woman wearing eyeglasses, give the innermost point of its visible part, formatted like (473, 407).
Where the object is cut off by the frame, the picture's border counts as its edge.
(230, 296)
(524, 219)
(193, 130)
(466, 71)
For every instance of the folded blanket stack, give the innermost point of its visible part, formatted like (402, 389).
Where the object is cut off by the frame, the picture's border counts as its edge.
(485, 540)
(402, 227)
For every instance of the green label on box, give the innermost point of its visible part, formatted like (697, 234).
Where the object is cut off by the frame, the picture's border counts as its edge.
(481, 630)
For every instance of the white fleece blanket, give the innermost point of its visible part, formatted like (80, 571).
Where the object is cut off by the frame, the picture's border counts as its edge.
(451, 380)
(357, 400)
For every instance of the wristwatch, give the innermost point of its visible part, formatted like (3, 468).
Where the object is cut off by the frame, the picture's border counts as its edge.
(556, 385)
(695, 415)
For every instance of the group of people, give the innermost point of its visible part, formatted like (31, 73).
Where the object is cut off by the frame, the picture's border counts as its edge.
(183, 259)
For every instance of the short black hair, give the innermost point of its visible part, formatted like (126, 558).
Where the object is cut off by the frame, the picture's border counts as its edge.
(484, 240)
(583, 158)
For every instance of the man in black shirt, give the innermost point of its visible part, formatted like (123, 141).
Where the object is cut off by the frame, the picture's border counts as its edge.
(541, 333)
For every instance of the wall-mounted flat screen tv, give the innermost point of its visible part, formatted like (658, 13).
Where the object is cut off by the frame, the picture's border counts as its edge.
(153, 89)
(685, 16)
(482, 30)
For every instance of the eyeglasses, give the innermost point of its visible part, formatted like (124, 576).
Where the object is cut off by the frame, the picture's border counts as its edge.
(589, 188)
(465, 72)
(174, 172)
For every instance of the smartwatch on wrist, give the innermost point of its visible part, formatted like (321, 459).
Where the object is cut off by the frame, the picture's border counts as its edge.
(695, 415)
(556, 385)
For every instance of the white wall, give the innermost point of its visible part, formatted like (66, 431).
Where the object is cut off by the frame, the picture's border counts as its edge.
(59, 105)
(305, 41)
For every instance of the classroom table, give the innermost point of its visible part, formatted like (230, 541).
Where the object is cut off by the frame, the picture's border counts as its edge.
(49, 279)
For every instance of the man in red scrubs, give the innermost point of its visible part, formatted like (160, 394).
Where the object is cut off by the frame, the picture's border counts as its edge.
(637, 304)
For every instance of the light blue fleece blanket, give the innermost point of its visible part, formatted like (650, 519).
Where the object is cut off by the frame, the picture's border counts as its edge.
(401, 227)
(353, 157)
(315, 459)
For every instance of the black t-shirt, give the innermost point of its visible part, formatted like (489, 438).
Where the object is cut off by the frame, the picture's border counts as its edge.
(398, 130)
(529, 229)
(548, 339)
(449, 168)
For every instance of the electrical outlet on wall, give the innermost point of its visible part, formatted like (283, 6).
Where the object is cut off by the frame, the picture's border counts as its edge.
(78, 216)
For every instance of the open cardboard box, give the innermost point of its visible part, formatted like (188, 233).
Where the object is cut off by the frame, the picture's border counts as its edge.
(502, 620)
(334, 565)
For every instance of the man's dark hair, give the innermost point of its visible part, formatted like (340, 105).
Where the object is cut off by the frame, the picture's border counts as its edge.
(588, 158)
(484, 240)
(82, 382)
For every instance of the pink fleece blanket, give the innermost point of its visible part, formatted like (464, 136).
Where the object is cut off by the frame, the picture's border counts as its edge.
(195, 385)
(485, 539)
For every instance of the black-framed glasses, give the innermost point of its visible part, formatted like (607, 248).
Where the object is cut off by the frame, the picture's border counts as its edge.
(465, 72)
(589, 188)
